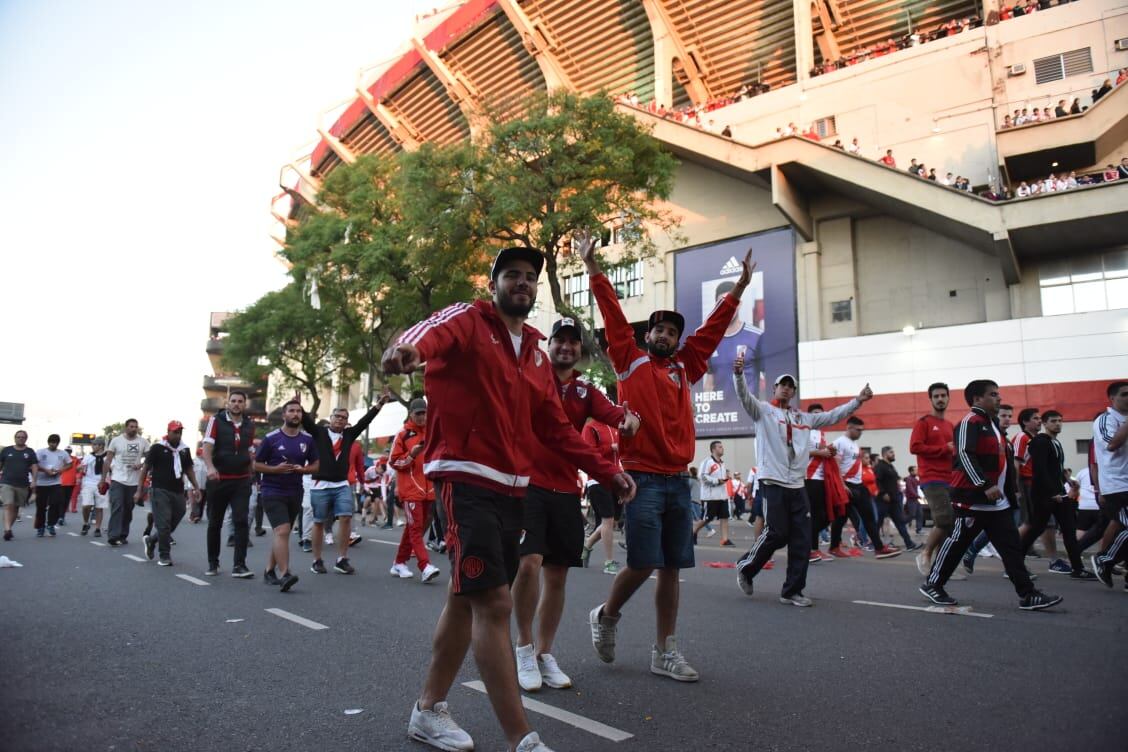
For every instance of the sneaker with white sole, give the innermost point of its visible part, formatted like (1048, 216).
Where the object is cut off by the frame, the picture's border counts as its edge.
(798, 599)
(528, 675)
(603, 631)
(611, 567)
(401, 571)
(437, 728)
(532, 743)
(328, 539)
(923, 564)
(429, 572)
(551, 675)
(670, 662)
(743, 580)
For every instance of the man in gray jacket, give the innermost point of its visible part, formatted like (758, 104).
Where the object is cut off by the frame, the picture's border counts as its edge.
(783, 450)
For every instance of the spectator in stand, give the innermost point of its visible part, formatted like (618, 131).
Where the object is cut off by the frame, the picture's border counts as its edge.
(1060, 110)
(838, 144)
(932, 174)
(1111, 173)
(1075, 108)
(914, 168)
(1008, 122)
(779, 133)
(1016, 119)
(888, 160)
(727, 132)
(1122, 170)
(812, 133)
(948, 180)
(1046, 114)
(1106, 87)
(854, 148)
(1122, 76)
(1025, 116)
(791, 130)
(1035, 116)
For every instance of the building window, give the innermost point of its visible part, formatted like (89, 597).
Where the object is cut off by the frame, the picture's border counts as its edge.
(1064, 65)
(826, 127)
(627, 279)
(576, 290)
(1095, 283)
(1083, 446)
(841, 311)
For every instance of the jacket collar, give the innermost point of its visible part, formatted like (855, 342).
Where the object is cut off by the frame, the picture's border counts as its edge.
(489, 311)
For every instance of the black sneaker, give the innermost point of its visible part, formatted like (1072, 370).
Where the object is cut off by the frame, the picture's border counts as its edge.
(150, 546)
(1084, 575)
(241, 571)
(969, 564)
(1100, 571)
(343, 567)
(114, 542)
(259, 532)
(288, 581)
(85, 530)
(97, 532)
(164, 563)
(270, 578)
(1038, 600)
(317, 567)
(7, 535)
(936, 594)
(354, 539)
(212, 570)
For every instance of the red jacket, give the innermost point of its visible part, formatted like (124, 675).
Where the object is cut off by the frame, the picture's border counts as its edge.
(657, 389)
(411, 484)
(581, 400)
(983, 460)
(356, 464)
(929, 442)
(488, 405)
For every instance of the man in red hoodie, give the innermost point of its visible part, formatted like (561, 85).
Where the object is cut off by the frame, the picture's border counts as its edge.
(656, 382)
(492, 396)
(932, 443)
(415, 492)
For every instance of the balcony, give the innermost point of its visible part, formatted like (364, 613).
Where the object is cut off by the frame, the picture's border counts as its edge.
(221, 383)
(215, 404)
(215, 346)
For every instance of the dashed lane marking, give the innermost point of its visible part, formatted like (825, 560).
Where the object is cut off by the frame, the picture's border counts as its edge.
(953, 610)
(98, 543)
(193, 580)
(564, 716)
(386, 543)
(131, 557)
(309, 624)
(73, 535)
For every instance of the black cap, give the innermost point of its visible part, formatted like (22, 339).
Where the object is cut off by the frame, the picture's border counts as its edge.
(672, 317)
(568, 323)
(417, 404)
(505, 255)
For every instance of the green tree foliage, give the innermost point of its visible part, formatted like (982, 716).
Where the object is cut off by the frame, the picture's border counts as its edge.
(282, 334)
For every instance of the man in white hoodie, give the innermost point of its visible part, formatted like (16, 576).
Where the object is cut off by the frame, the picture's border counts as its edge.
(783, 450)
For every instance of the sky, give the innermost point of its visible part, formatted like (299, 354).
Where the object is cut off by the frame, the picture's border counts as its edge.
(142, 144)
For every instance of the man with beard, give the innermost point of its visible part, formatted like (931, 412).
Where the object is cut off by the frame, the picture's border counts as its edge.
(659, 523)
(92, 493)
(170, 463)
(121, 471)
(554, 521)
(490, 392)
(228, 453)
(283, 458)
(932, 443)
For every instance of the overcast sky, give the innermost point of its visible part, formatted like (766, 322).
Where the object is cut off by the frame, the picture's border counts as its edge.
(142, 143)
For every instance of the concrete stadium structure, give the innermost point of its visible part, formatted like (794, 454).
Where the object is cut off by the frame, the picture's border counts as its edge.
(900, 281)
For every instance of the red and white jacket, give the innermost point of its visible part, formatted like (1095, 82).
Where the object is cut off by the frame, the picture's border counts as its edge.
(488, 405)
(411, 483)
(581, 400)
(658, 388)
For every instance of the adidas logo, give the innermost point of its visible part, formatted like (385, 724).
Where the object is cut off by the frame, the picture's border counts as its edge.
(732, 266)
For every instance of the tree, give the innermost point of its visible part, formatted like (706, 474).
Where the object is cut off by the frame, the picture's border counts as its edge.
(283, 334)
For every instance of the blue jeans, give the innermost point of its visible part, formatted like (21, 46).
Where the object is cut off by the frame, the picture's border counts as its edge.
(331, 503)
(659, 523)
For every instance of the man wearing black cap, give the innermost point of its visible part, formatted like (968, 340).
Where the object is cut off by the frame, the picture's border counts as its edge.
(554, 521)
(491, 395)
(656, 382)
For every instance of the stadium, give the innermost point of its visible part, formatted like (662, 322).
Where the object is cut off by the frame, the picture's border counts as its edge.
(779, 113)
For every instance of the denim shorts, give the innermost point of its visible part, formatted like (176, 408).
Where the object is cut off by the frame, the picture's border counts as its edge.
(659, 523)
(330, 503)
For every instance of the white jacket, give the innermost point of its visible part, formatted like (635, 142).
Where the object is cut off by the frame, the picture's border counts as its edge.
(714, 483)
(778, 462)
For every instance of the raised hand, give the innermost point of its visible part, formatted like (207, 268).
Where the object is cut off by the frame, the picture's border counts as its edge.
(738, 365)
(748, 266)
(866, 394)
(400, 359)
(587, 251)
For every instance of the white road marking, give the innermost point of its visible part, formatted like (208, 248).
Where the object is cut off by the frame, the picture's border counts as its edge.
(955, 610)
(386, 543)
(193, 580)
(578, 721)
(654, 577)
(131, 557)
(296, 619)
(73, 535)
(98, 543)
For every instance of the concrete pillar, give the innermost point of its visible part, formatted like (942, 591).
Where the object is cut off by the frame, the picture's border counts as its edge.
(804, 40)
(809, 299)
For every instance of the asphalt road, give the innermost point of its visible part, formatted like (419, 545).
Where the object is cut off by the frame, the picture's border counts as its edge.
(106, 653)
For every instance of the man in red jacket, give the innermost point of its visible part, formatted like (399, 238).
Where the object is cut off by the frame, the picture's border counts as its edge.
(491, 395)
(932, 442)
(656, 382)
(554, 521)
(415, 492)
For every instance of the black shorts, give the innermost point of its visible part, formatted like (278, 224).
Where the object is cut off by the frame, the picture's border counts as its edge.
(1112, 504)
(1087, 518)
(716, 509)
(603, 502)
(554, 527)
(281, 509)
(483, 536)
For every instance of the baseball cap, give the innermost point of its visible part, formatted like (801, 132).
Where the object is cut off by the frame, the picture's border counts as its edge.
(567, 323)
(175, 425)
(785, 377)
(516, 253)
(672, 317)
(417, 404)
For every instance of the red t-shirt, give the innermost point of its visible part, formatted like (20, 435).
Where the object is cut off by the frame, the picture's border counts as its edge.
(931, 442)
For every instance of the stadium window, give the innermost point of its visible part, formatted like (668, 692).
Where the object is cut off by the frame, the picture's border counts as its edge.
(1063, 65)
(577, 291)
(1083, 446)
(1094, 283)
(841, 311)
(826, 127)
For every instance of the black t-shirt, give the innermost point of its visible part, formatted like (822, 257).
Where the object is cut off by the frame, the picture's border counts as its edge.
(17, 466)
(159, 460)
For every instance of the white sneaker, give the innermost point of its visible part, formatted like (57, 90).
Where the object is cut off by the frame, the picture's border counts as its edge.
(401, 571)
(990, 552)
(437, 728)
(710, 532)
(603, 631)
(528, 675)
(400, 523)
(551, 674)
(328, 539)
(923, 564)
(670, 662)
(430, 572)
(532, 743)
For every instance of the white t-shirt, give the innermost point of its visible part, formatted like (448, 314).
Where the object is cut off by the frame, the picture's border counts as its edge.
(319, 484)
(1087, 498)
(51, 460)
(813, 444)
(516, 340)
(1111, 466)
(90, 477)
(127, 452)
(848, 454)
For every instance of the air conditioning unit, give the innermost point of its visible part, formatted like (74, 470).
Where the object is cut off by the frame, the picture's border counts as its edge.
(1016, 70)
(1122, 45)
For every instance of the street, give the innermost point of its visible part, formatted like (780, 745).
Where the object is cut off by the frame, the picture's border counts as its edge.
(108, 652)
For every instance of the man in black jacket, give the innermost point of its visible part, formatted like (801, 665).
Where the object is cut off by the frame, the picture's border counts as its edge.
(331, 496)
(889, 496)
(1048, 497)
(228, 454)
(169, 462)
